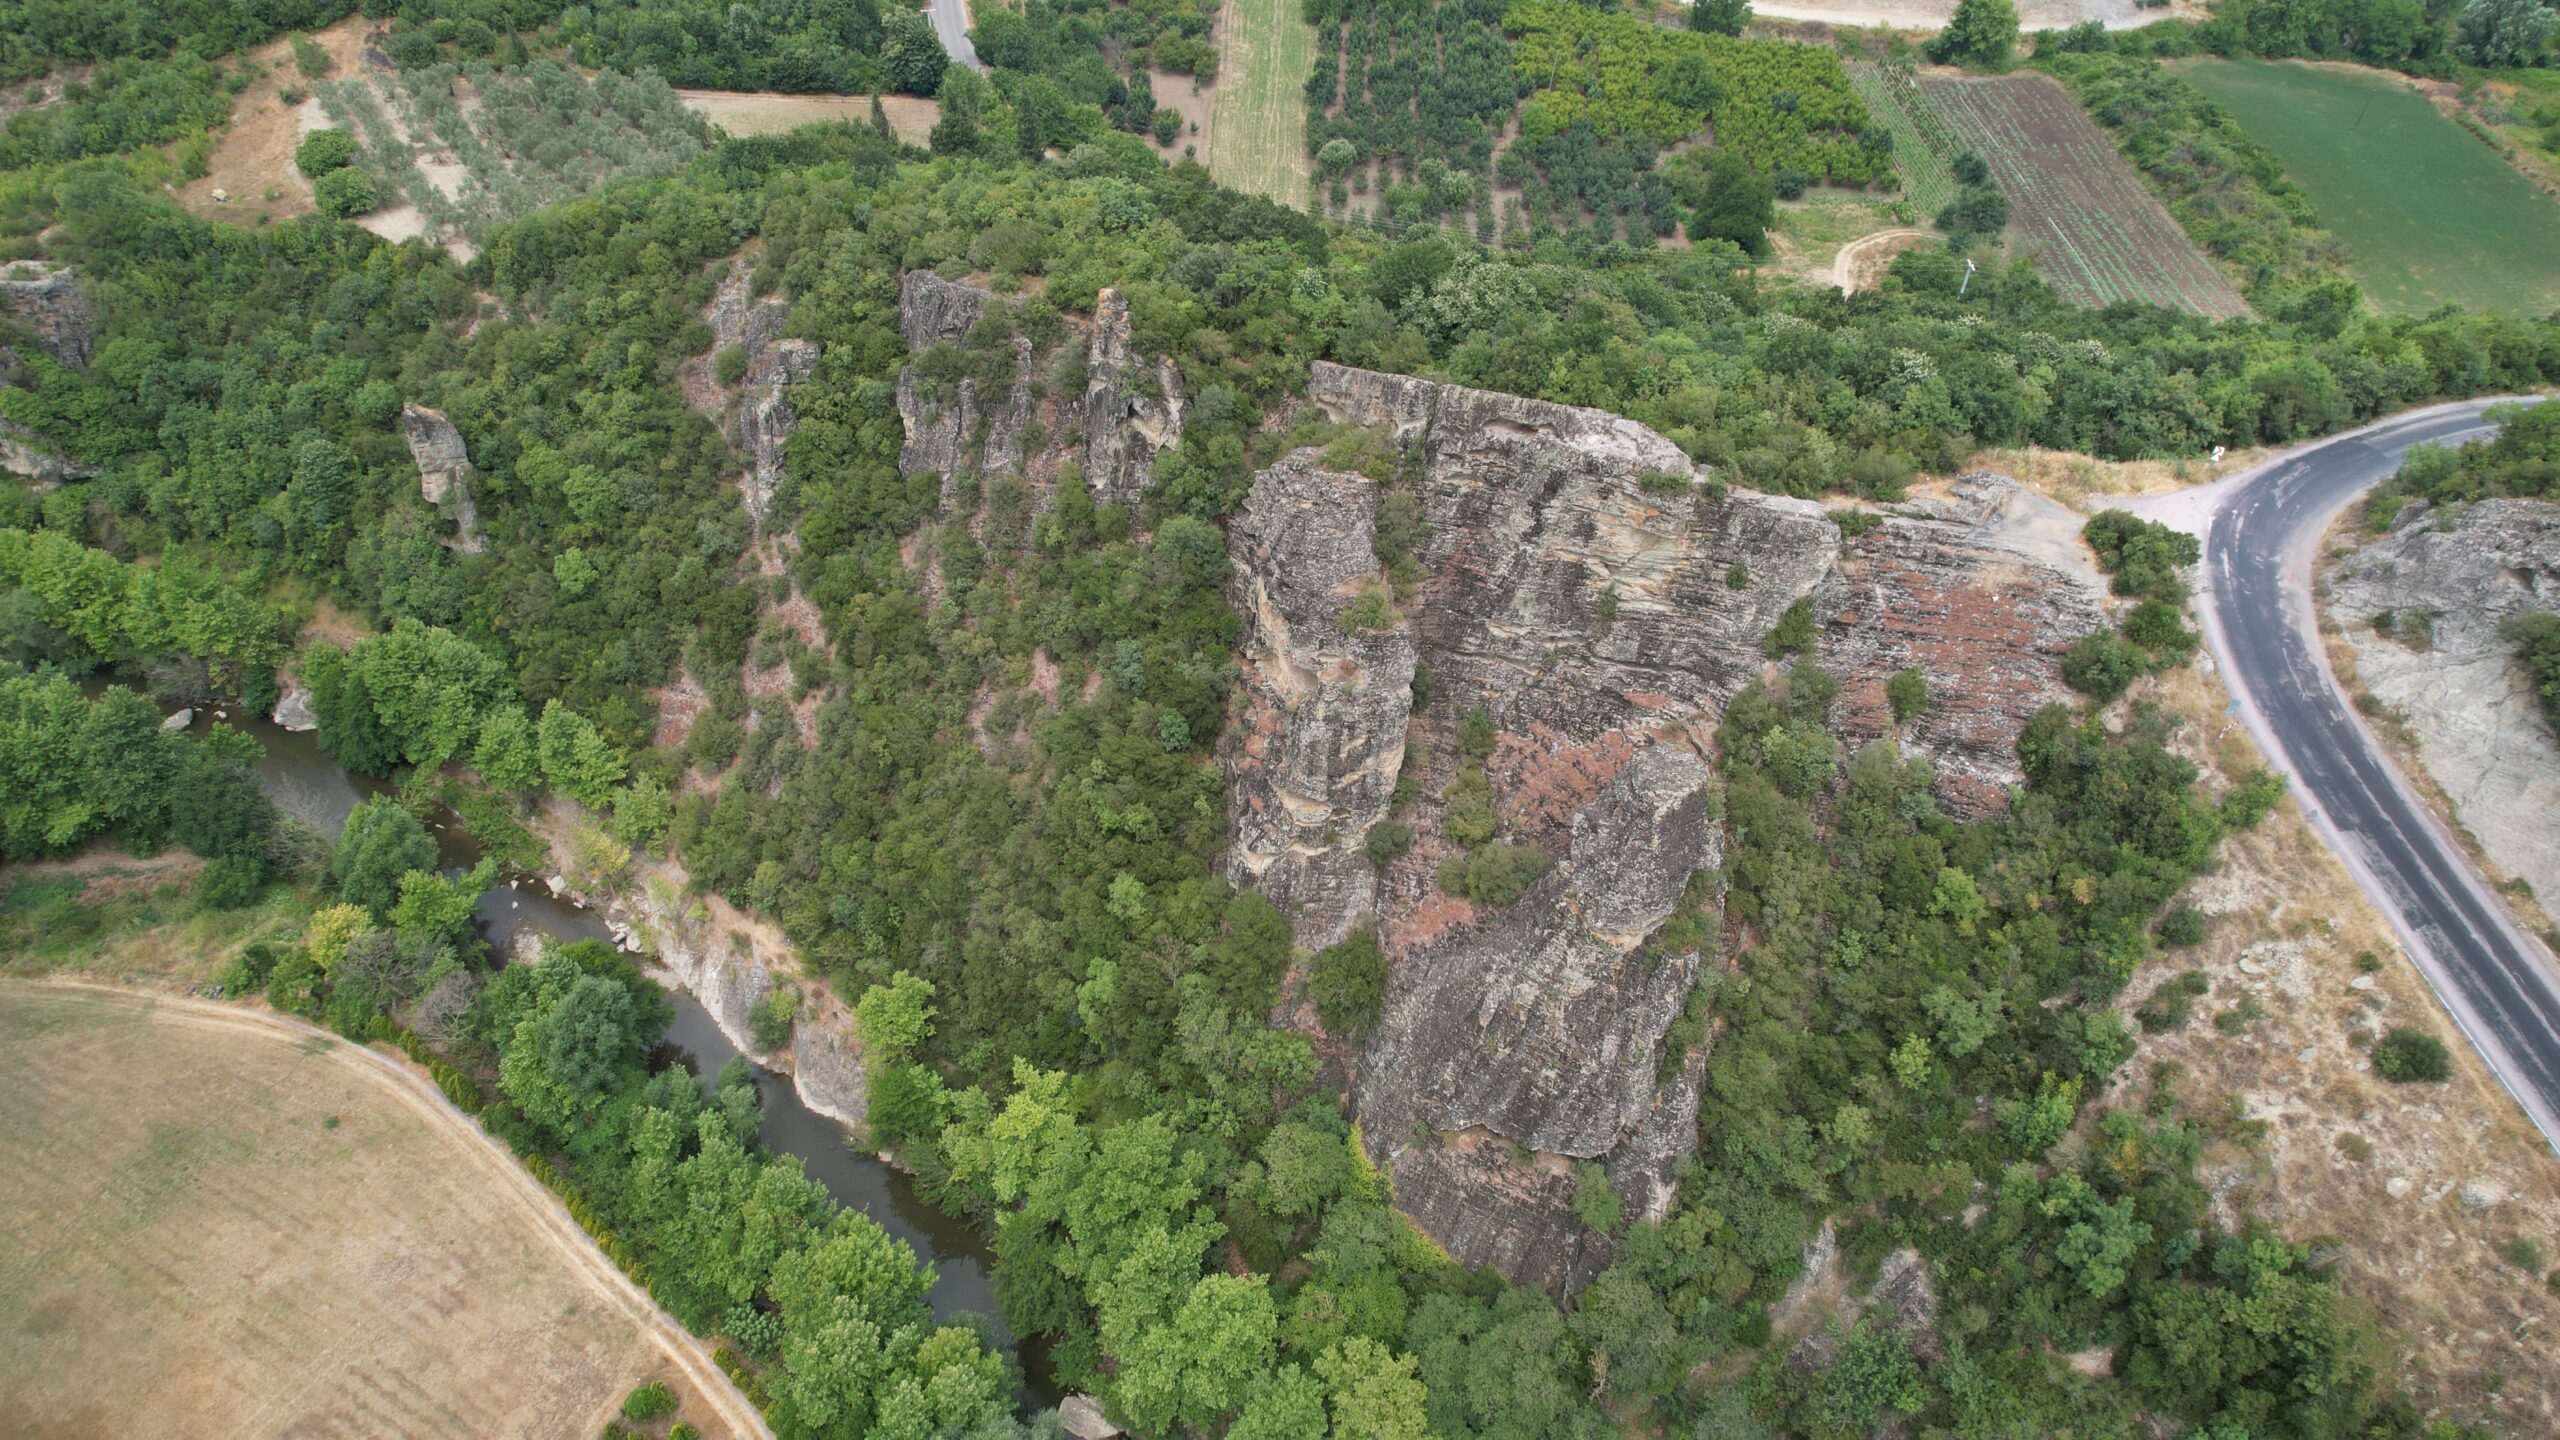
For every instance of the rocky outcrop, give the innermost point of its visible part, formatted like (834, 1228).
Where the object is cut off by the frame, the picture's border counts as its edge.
(1325, 704)
(48, 302)
(444, 471)
(1600, 600)
(293, 706)
(1132, 410)
(764, 416)
(24, 452)
(1981, 590)
(2421, 606)
(977, 423)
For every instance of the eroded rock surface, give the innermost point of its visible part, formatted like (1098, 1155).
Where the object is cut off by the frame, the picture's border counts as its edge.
(2441, 582)
(24, 452)
(763, 418)
(49, 303)
(444, 471)
(968, 427)
(1581, 583)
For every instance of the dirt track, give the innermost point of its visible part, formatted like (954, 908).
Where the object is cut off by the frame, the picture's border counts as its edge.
(437, 1268)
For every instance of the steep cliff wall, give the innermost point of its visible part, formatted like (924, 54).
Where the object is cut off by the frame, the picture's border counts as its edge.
(1601, 602)
(2441, 581)
(1107, 409)
(444, 471)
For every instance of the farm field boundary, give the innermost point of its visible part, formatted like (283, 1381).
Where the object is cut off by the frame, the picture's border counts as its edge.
(2428, 213)
(2098, 234)
(226, 1222)
(1258, 122)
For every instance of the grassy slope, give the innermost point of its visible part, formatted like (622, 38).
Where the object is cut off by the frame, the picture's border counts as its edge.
(1258, 141)
(2428, 214)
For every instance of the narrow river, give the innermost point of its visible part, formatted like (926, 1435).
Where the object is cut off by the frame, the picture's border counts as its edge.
(308, 785)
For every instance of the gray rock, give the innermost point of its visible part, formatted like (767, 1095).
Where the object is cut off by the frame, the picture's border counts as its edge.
(2481, 1194)
(1320, 741)
(2447, 577)
(1580, 587)
(1132, 410)
(24, 452)
(1081, 1416)
(444, 471)
(764, 416)
(48, 302)
(177, 720)
(293, 708)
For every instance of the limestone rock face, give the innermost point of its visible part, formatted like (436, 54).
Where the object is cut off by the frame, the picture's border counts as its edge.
(24, 452)
(2445, 578)
(49, 303)
(1132, 410)
(444, 471)
(764, 417)
(1322, 733)
(967, 427)
(1981, 590)
(1583, 586)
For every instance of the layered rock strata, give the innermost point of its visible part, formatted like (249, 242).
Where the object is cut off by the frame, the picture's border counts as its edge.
(2422, 606)
(1600, 601)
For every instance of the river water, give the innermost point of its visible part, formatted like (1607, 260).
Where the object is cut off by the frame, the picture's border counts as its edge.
(309, 786)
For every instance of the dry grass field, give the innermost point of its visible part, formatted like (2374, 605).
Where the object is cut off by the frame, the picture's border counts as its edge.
(212, 1224)
(757, 112)
(1258, 137)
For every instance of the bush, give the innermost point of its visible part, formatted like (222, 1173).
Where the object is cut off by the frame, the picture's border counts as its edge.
(649, 1402)
(2407, 1056)
(1908, 692)
(1793, 634)
(1350, 983)
(2170, 1004)
(771, 1018)
(730, 366)
(248, 971)
(1494, 874)
(323, 151)
(2102, 665)
(2183, 925)
(346, 193)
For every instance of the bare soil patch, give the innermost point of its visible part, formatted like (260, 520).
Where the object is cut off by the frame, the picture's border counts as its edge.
(761, 112)
(253, 160)
(2421, 1188)
(225, 1223)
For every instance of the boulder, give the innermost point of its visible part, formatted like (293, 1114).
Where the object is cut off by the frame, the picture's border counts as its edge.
(177, 720)
(1081, 1416)
(293, 708)
(444, 471)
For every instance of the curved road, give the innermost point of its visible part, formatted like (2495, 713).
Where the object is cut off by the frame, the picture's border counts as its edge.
(2261, 529)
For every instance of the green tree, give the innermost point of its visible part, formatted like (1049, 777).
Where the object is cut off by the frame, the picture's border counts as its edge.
(322, 151)
(1982, 34)
(911, 55)
(436, 907)
(1719, 17)
(577, 760)
(2507, 32)
(1202, 1364)
(382, 843)
(346, 192)
(505, 755)
(894, 1018)
(573, 1050)
(1374, 1395)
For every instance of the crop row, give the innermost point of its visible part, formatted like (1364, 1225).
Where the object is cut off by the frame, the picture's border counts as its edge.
(1923, 146)
(2101, 236)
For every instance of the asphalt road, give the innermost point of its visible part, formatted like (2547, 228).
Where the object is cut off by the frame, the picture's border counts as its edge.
(951, 25)
(2264, 528)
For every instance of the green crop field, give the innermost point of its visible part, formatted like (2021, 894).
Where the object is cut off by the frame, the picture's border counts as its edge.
(1258, 129)
(1922, 144)
(2428, 214)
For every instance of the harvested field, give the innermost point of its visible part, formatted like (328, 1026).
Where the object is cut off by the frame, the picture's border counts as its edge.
(223, 1223)
(2097, 234)
(761, 112)
(1258, 134)
(2429, 214)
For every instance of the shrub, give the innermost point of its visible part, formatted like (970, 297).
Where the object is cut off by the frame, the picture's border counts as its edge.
(1388, 840)
(1595, 1200)
(1350, 983)
(346, 193)
(649, 1402)
(2169, 1005)
(2102, 665)
(1908, 693)
(771, 1018)
(1793, 634)
(2406, 1056)
(1494, 874)
(309, 58)
(2144, 556)
(730, 366)
(2524, 1254)
(323, 151)
(248, 971)
(2183, 925)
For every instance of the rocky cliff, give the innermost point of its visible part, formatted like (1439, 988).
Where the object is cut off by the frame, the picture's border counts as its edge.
(48, 302)
(2421, 608)
(444, 471)
(763, 418)
(1600, 600)
(1004, 411)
